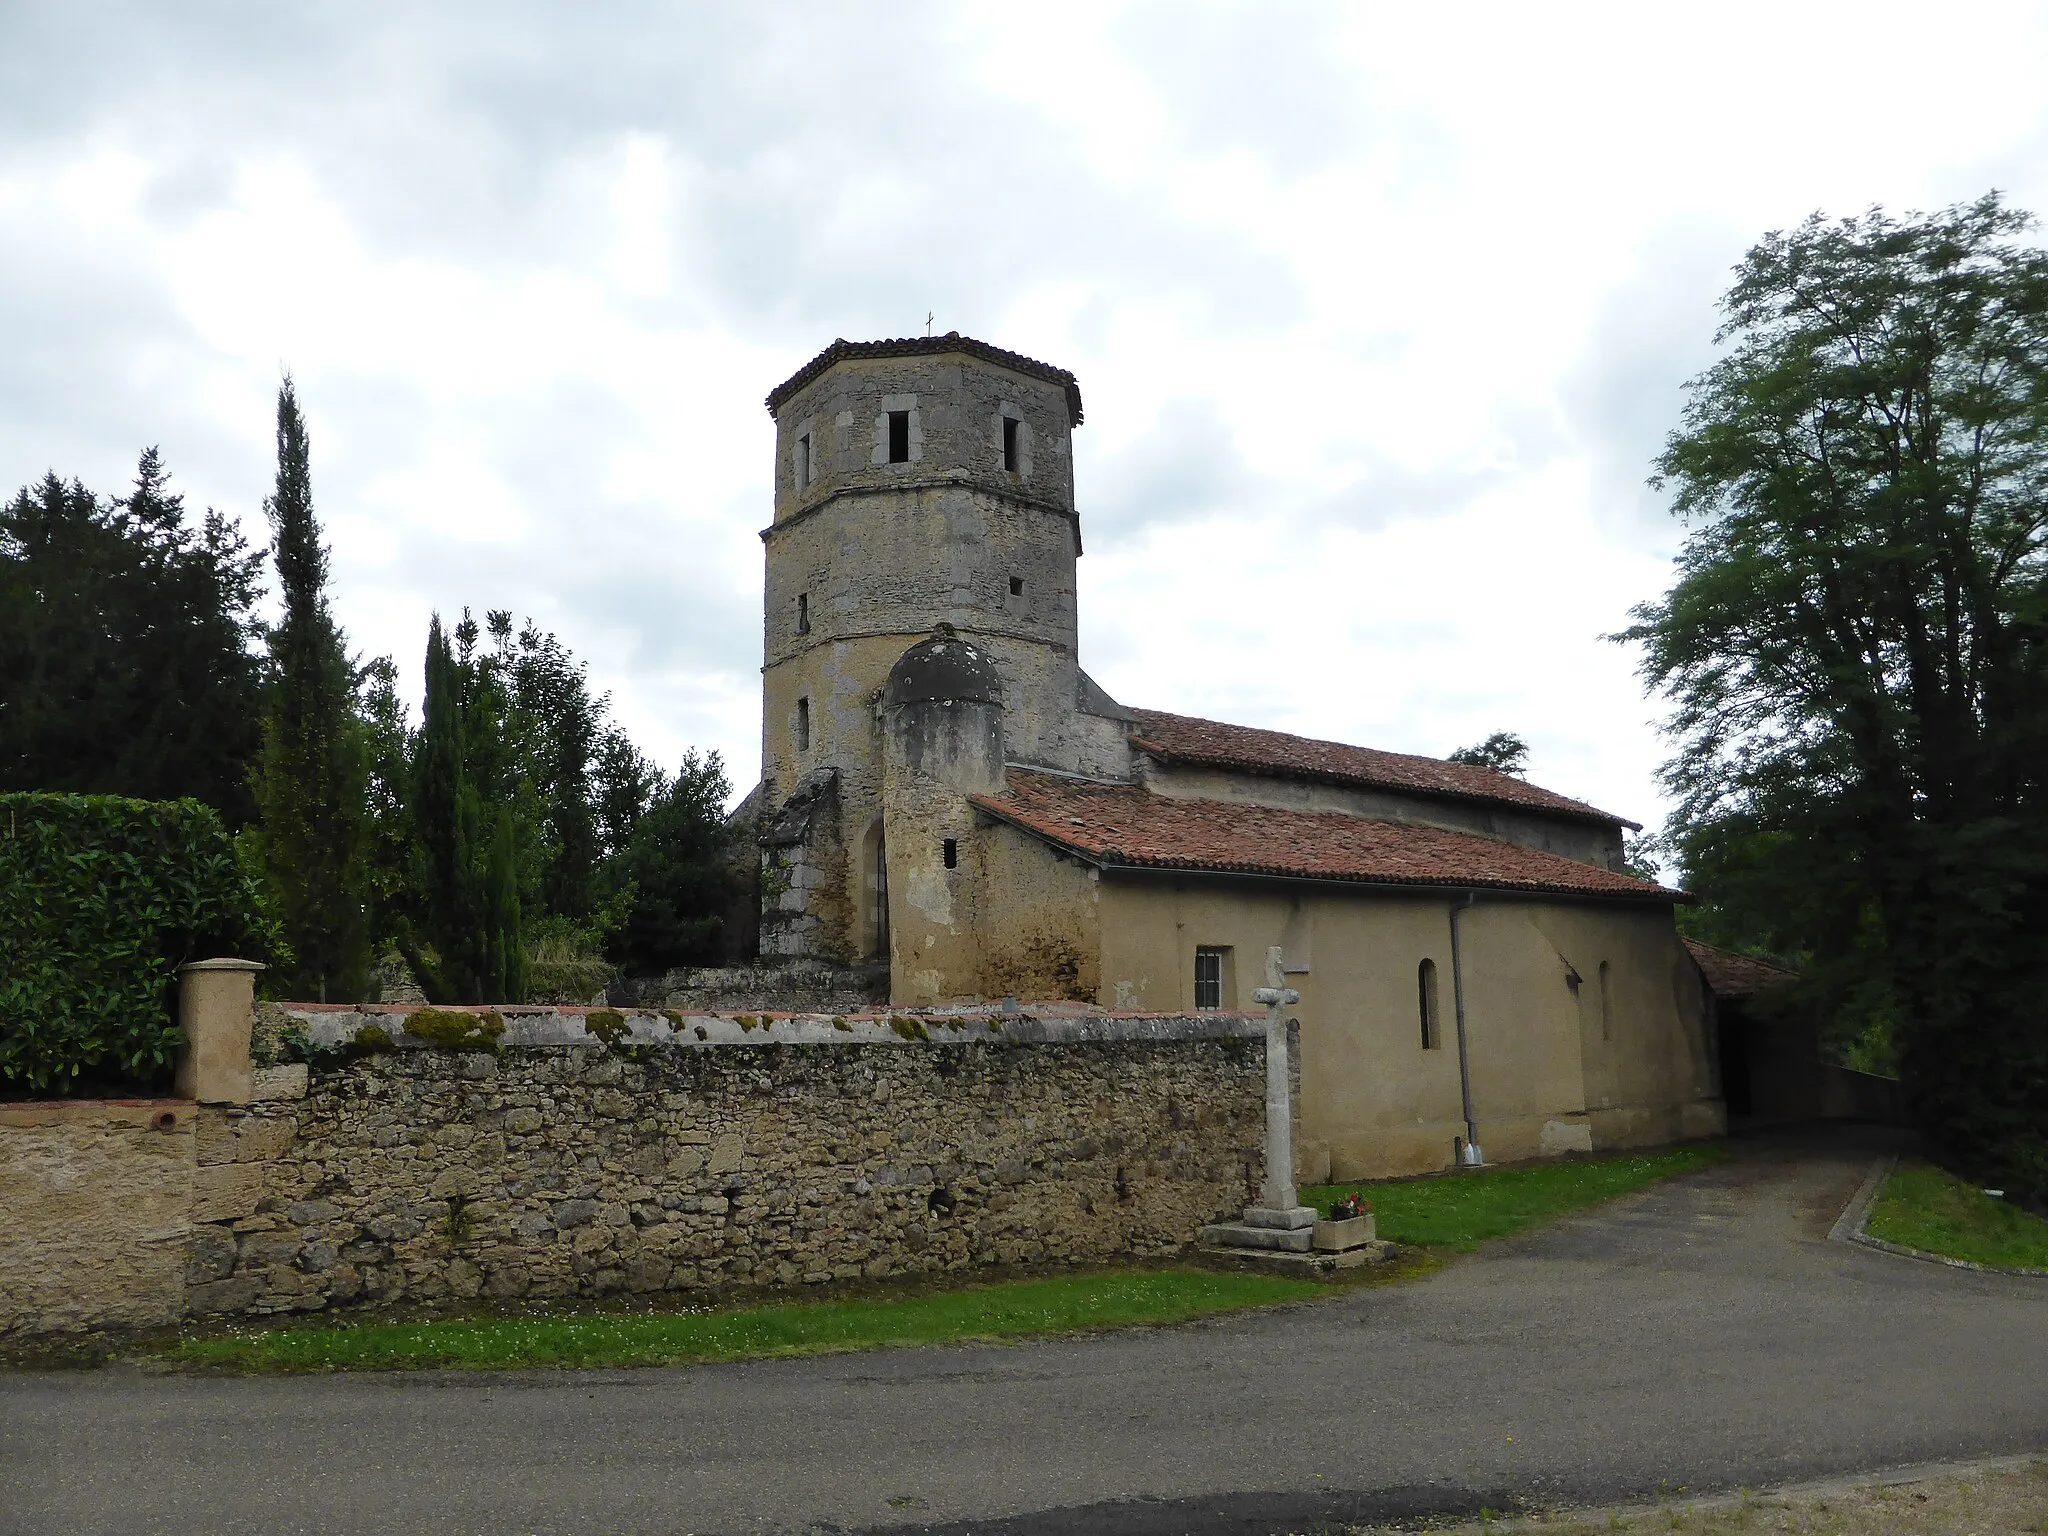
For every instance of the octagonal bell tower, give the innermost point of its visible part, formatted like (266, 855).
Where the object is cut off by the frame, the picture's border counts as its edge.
(918, 483)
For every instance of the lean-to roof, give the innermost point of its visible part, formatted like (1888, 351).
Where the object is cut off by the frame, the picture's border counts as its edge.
(1732, 975)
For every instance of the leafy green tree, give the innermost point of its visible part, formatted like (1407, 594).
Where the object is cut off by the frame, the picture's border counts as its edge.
(125, 646)
(312, 780)
(1856, 647)
(1503, 752)
(676, 861)
(552, 723)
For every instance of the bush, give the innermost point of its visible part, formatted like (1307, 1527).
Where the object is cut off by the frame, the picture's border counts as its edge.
(101, 900)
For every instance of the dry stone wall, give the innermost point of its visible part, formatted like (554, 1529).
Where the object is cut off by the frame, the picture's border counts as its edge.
(696, 1153)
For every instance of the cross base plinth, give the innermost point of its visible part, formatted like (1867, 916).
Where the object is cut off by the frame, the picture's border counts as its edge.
(1285, 1218)
(1301, 1261)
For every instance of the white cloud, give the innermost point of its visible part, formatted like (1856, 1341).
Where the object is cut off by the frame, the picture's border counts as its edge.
(1379, 312)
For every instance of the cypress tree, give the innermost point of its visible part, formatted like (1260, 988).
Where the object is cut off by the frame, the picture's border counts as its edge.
(312, 777)
(469, 866)
(506, 952)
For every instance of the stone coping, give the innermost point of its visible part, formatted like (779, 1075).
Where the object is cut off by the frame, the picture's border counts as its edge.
(332, 1024)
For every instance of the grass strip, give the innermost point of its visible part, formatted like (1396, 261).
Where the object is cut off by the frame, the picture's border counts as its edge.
(1923, 1207)
(1011, 1310)
(1462, 1210)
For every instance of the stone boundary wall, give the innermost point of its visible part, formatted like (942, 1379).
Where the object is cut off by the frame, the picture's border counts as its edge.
(587, 1152)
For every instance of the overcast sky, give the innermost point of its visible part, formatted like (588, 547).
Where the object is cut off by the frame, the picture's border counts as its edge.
(1379, 311)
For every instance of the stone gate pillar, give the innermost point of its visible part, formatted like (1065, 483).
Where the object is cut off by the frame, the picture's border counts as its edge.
(216, 1009)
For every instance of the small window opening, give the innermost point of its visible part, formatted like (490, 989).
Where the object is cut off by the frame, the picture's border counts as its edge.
(1016, 586)
(899, 437)
(879, 893)
(803, 613)
(1209, 978)
(803, 461)
(1425, 989)
(951, 849)
(1606, 1008)
(803, 725)
(1010, 425)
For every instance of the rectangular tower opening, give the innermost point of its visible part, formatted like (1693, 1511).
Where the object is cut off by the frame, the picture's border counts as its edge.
(950, 848)
(899, 437)
(803, 725)
(1010, 425)
(803, 613)
(803, 461)
(1016, 586)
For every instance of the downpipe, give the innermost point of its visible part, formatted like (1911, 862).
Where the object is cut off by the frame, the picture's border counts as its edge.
(1469, 1155)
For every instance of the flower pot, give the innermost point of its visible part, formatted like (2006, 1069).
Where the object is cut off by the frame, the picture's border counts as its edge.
(1337, 1236)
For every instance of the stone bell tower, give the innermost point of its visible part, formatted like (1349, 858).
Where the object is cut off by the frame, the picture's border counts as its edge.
(919, 483)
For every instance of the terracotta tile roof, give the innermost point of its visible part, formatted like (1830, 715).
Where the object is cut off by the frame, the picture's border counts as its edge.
(930, 346)
(1124, 826)
(1211, 743)
(1732, 975)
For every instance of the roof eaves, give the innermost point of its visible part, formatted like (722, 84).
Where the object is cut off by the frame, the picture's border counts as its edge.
(930, 346)
(1117, 859)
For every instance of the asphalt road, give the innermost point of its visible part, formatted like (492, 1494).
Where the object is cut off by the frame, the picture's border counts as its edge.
(1700, 1335)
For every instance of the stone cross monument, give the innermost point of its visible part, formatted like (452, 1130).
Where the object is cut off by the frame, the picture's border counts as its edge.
(1280, 1208)
(1279, 1222)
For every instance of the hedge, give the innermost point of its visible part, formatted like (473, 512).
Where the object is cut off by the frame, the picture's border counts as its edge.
(101, 900)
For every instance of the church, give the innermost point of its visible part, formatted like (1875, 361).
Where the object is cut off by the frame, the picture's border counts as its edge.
(945, 792)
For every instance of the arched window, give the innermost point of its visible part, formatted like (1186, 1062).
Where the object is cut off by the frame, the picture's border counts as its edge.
(1606, 1005)
(1425, 1002)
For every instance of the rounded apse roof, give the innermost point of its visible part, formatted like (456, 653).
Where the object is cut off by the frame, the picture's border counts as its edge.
(943, 669)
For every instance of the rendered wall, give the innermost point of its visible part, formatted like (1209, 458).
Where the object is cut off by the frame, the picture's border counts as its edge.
(94, 1203)
(1375, 1101)
(1013, 919)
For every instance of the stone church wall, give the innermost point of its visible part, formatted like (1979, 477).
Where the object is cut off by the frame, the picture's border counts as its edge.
(591, 1153)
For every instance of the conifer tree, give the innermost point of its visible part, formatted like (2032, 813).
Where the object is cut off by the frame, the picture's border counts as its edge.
(126, 665)
(505, 953)
(471, 949)
(312, 776)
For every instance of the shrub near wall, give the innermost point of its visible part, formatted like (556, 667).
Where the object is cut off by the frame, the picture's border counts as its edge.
(101, 900)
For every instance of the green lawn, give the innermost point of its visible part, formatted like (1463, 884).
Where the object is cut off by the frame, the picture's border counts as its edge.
(1925, 1208)
(1452, 1212)
(1009, 1310)
(1463, 1210)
